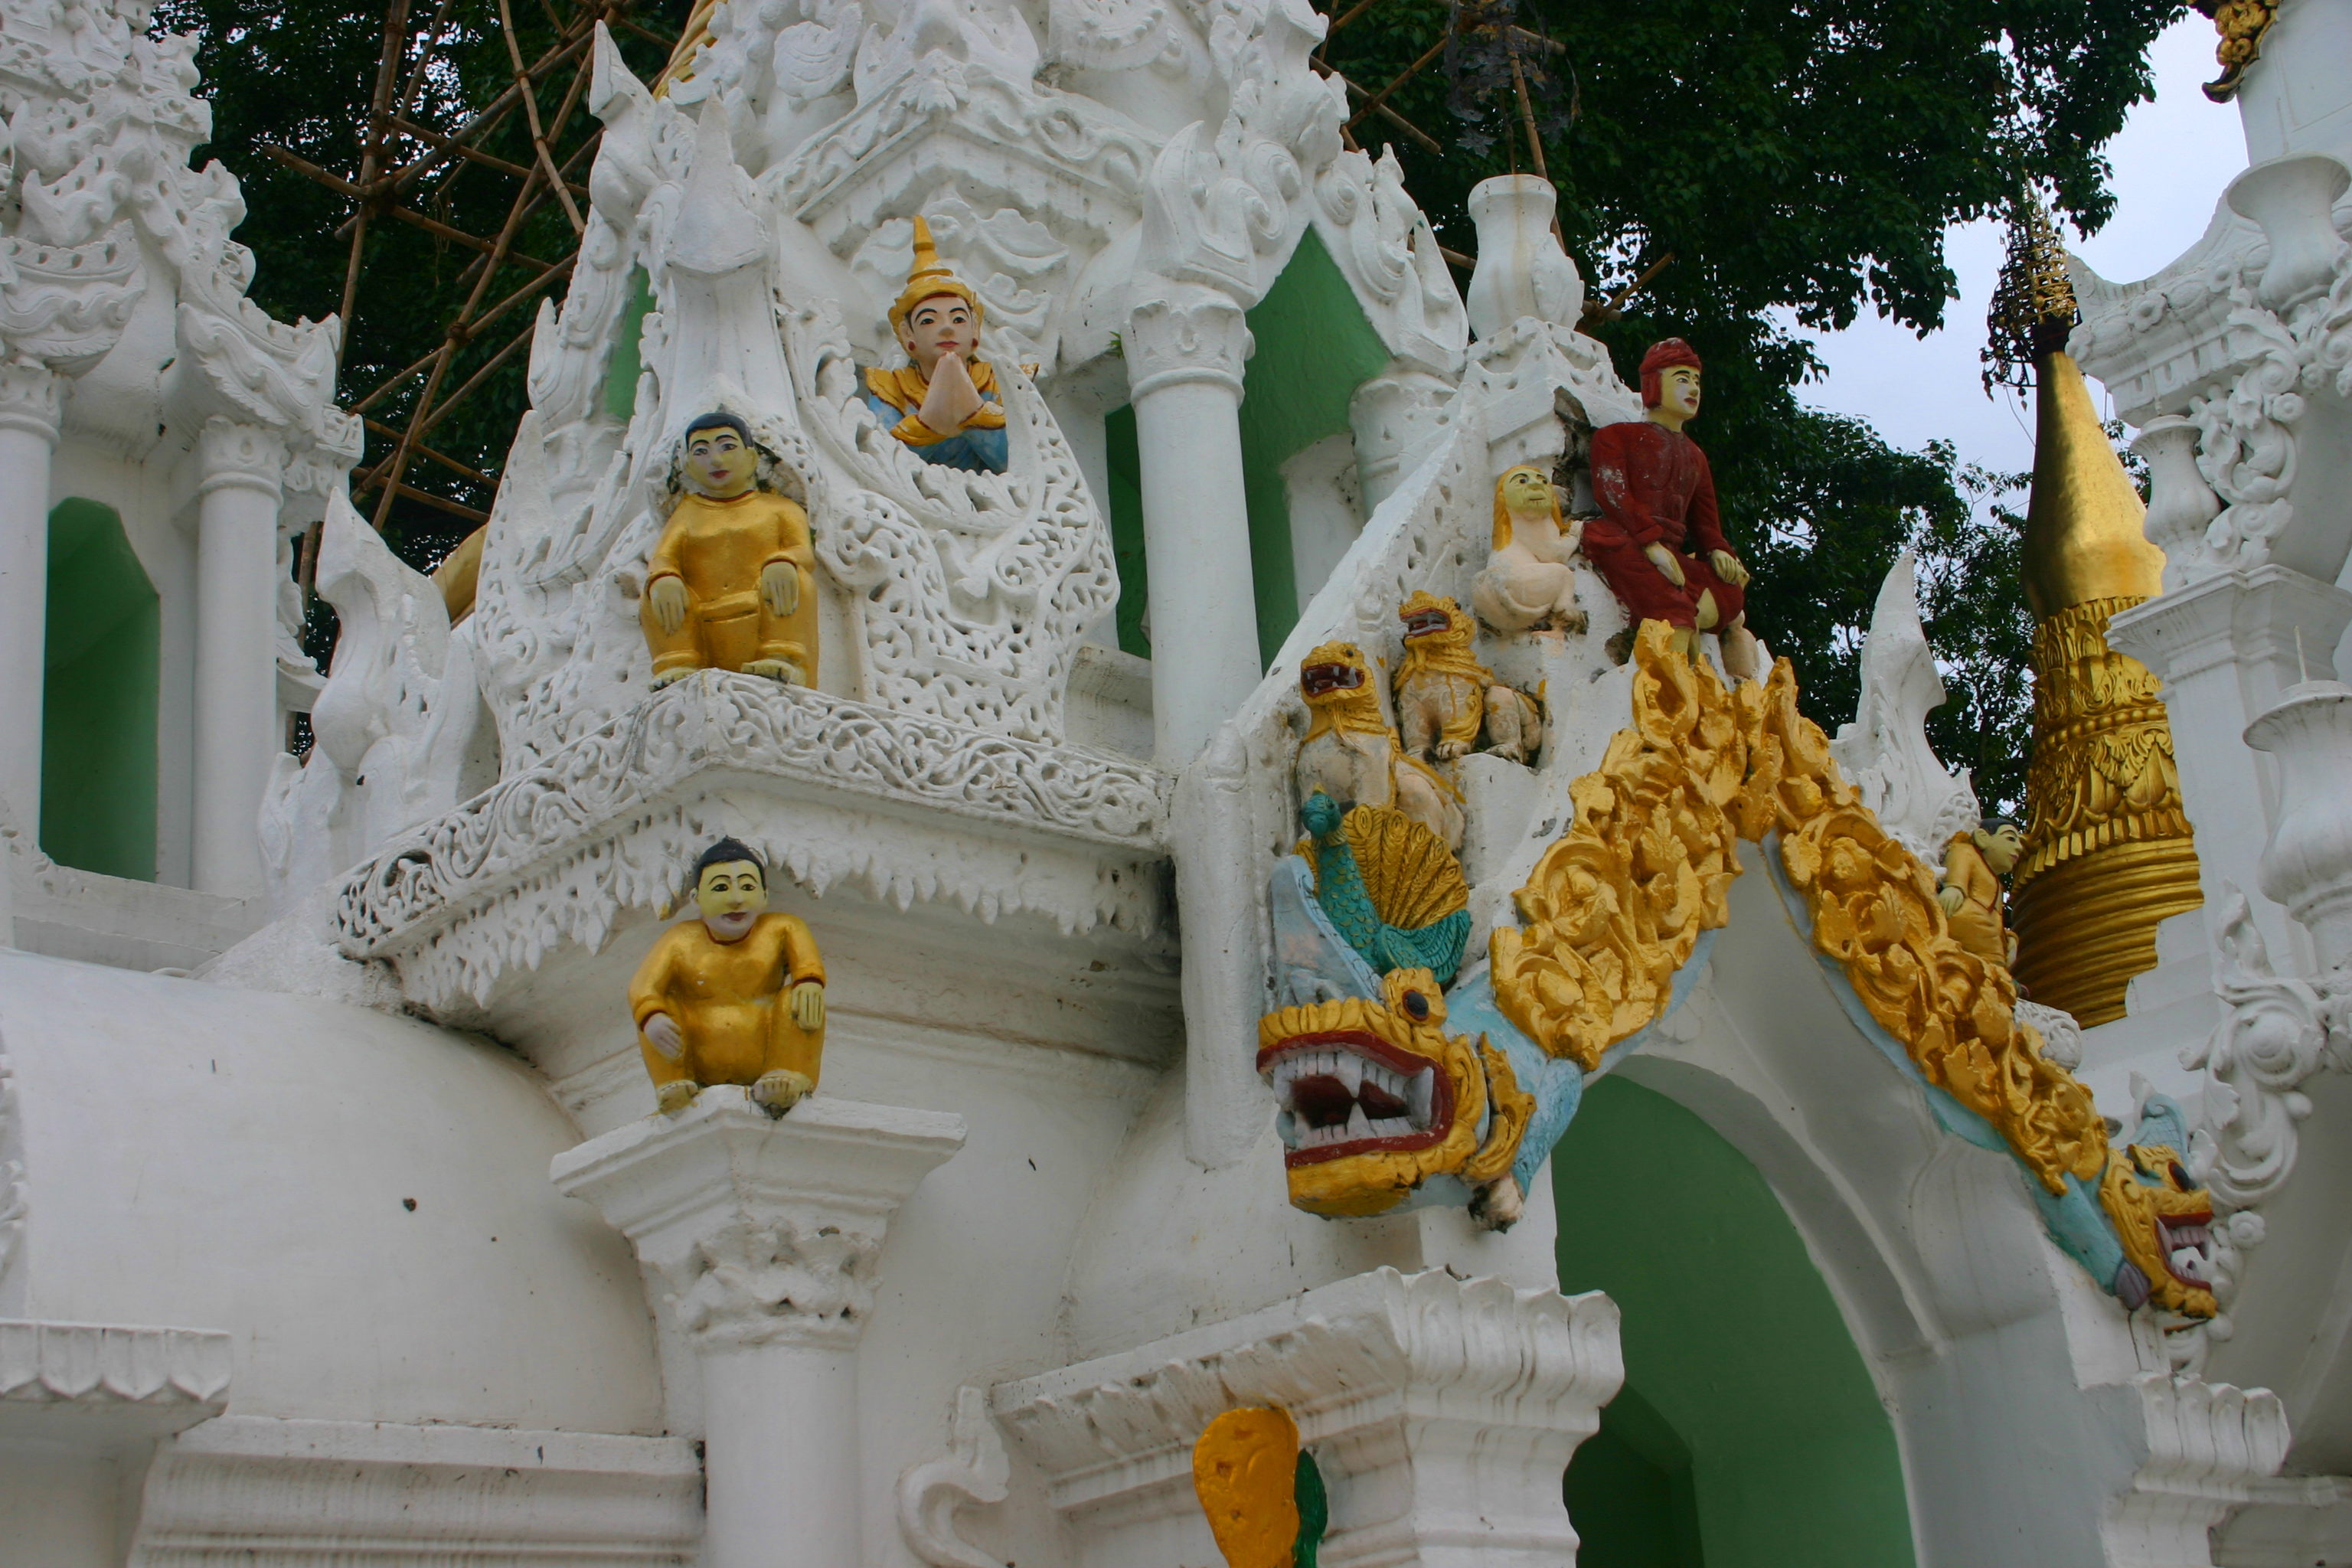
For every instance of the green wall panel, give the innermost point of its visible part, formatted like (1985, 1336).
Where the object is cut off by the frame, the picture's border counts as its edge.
(99, 698)
(1735, 1354)
(1314, 348)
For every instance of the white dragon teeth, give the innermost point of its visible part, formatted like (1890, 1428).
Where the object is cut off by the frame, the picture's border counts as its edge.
(1418, 1091)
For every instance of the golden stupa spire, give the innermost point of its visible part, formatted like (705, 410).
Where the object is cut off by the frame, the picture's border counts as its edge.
(2107, 847)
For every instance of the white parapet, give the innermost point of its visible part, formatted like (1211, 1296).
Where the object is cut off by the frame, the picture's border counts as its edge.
(764, 1237)
(1442, 1413)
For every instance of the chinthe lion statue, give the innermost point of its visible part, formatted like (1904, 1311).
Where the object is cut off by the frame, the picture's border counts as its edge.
(1351, 754)
(1443, 695)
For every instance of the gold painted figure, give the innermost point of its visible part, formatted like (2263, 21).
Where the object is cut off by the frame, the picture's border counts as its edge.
(732, 581)
(945, 404)
(736, 996)
(1974, 864)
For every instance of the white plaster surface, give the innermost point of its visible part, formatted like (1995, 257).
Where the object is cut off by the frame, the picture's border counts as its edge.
(245, 1163)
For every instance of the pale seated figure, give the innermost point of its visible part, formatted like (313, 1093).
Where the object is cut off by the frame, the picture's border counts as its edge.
(944, 405)
(1529, 583)
(732, 581)
(736, 996)
(1974, 864)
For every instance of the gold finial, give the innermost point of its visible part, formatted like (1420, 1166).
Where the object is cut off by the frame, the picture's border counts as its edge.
(928, 279)
(2107, 852)
(2033, 307)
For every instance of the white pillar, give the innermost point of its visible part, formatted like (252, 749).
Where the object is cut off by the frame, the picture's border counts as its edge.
(1185, 349)
(31, 395)
(242, 473)
(766, 1237)
(2227, 648)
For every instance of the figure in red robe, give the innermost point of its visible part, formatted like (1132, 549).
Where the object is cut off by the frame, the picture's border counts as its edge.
(1658, 543)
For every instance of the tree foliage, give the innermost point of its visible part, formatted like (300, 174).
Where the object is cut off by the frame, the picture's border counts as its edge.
(302, 77)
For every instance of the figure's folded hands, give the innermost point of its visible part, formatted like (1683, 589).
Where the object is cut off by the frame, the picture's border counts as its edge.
(780, 587)
(1664, 560)
(668, 596)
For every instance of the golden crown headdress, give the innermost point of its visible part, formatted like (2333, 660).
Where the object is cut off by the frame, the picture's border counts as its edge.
(928, 279)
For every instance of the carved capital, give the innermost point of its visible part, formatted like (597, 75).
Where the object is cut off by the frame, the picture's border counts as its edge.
(1182, 333)
(761, 1232)
(65, 304)
(32, 399)
(231, 456)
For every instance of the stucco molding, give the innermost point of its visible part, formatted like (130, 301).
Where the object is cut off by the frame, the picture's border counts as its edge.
(248, 1491)
(912, 807)
(1441, 1411)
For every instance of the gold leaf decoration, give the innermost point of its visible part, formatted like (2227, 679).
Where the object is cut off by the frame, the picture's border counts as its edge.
(1412, 877)
(1615, 907)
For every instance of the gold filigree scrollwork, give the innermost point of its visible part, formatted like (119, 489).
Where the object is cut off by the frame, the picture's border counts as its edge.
(2108, 849)
(1615, 907)
(2243, 25)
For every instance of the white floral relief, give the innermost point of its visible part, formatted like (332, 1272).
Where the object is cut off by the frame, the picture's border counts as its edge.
(976, 589)
(919, 810)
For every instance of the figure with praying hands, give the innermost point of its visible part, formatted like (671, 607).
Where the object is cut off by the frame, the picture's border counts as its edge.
(1658, 543)
(944, 405)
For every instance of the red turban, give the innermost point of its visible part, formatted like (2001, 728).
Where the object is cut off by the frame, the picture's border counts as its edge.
(1664, 352)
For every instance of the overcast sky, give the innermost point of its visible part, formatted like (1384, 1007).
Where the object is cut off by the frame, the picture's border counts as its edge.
(2171, 161)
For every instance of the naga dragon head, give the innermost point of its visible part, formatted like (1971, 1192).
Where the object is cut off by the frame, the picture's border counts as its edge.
(2165, 1222)
(1376, 1097)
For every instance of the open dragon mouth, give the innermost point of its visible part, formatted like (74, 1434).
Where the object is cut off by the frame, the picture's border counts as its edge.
(1349, 1092)
(1427, 623)
(1315, 679)
(2186, 1243)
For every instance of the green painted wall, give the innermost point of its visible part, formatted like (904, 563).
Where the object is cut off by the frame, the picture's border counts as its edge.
(621, 371)
(1314, 348)
(1127, 528)
(99, 698)
(1736, 1356)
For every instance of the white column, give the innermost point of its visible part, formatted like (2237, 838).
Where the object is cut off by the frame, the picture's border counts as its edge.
(242, 473)
(1185, 349)
(31, 395)
(766, 1237)
(2227, 648)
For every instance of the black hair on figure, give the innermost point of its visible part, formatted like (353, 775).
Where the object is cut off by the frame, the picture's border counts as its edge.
(726, 852)
(721, 421)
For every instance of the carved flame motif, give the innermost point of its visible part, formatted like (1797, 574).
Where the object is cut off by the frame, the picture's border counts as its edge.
(1615, 907)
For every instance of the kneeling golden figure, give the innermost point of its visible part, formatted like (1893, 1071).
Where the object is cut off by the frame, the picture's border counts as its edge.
(736, 996)
(732, 581)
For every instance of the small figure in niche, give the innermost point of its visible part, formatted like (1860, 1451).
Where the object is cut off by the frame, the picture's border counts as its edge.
(1658, 543)
(1528, 585)
(732, 581)
(1969, 891)
(736, 996)
(945, 406)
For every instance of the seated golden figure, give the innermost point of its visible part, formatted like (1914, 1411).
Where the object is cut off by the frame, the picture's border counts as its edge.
(1974, 864)
(732, 581)
(736, 996)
